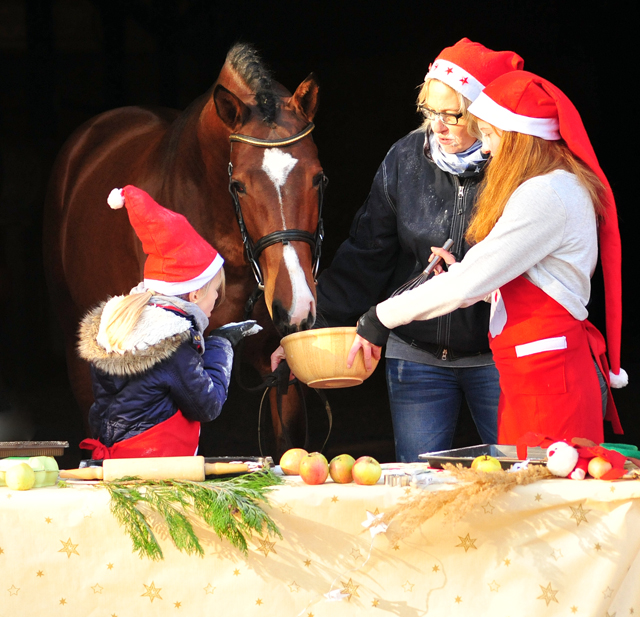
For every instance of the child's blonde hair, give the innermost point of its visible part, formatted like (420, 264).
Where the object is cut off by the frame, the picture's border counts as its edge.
(126, 314)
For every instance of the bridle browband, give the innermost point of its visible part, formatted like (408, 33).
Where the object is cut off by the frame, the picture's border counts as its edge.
(253, 250)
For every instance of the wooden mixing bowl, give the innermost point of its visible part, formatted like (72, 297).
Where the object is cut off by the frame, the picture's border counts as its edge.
(319, 358)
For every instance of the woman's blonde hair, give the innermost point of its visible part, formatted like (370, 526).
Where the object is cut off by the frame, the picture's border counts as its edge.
(126, 314)
(519, 158)
(470, 120)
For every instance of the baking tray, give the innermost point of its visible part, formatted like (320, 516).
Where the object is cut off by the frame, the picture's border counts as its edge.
(265, 461)
(32, 448)
(507, 455)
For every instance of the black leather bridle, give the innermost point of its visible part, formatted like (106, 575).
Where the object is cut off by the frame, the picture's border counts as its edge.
(254, 249)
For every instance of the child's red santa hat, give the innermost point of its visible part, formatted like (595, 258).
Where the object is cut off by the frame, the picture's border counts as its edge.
(179, 259)
(525, 103)
(468, 67)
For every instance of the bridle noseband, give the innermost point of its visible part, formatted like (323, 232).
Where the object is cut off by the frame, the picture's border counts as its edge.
(253, 250)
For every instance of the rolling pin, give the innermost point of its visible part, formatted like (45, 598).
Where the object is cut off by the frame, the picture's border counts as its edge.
(160, 468)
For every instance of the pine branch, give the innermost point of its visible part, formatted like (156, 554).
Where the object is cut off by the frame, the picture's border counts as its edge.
(231, 507)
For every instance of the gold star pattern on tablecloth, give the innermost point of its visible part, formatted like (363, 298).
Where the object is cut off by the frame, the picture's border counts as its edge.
(356, 554)
(236, 572)
(407, 586)
(177, 604)
(580, 514)
(48, 520)
(375, 602)
(266, 547)
(507, 562)
(294, 587)
(436, 568)
(97, 588)
(63, 601)
(69, 548)
(285, 508)
(396, 547)
(13, 590)
(39, 573)
(458, 599)
(548, 594)
(307, 563)
(574, 609)
(597, 546)
(334, 499)
(538, 497)
(609, 615)
(607, 592)
(109, 566)
(209, 588)
(467, 542)
(488, 508)
(1, 550)
(152, 592)
(350, 589)
(259, 602)
(493, 586)
(557, 553)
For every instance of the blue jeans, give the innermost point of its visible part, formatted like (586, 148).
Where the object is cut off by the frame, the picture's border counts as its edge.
(425, 404)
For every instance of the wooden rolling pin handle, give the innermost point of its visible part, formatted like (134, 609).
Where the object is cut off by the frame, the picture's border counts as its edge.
(86, 473)
(217, 469)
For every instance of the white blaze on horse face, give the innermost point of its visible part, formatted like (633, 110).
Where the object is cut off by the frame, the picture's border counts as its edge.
(278, 165)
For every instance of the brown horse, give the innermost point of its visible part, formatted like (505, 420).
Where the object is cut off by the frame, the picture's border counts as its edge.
(239, 158)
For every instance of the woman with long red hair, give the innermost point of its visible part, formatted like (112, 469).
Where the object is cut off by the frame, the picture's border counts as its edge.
(542, 208)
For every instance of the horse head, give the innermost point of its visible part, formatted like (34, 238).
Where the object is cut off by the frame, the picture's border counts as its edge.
(276, 183)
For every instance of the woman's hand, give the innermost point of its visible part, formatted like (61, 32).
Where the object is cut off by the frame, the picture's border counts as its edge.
(446, 256)
(369, 350)
(276, 357)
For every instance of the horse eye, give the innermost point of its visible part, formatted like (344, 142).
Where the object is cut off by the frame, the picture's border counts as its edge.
(320, 179)
(239, 187)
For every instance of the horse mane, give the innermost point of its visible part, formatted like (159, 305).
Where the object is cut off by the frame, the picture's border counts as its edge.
(248, 64)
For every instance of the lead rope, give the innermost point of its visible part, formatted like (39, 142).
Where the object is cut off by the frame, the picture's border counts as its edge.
(278, 379)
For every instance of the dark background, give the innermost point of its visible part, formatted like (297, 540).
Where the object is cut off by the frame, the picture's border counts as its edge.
(63, 61)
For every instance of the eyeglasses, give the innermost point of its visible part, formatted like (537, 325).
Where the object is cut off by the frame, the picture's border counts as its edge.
(445, 118)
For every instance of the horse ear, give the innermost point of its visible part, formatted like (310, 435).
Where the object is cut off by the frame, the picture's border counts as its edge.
(305, 98)
(231, 110)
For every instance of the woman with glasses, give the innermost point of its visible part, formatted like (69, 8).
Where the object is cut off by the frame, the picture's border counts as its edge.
(543, 208)
(421, 196)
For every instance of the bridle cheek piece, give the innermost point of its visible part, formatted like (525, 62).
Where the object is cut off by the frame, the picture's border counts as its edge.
(253, 250)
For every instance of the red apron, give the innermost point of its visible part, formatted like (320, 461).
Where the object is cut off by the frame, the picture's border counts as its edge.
(545, 359)
(176, 436)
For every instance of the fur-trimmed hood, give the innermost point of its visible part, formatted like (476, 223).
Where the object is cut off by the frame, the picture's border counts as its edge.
(156, 336)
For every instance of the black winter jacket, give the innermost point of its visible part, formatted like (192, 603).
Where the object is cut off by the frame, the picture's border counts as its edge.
(139, 389)
(413, 205)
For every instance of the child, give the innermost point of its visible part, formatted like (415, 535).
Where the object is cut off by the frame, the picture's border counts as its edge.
(155, 378)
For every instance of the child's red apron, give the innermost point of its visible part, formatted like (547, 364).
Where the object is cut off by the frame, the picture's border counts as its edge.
(176, 436)
(545, 359)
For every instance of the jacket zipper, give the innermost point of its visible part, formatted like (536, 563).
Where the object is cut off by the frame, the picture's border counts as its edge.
(444, 354)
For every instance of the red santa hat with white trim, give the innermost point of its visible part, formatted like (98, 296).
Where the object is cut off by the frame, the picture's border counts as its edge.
(526, 103)
(468, 67)
(179, 259)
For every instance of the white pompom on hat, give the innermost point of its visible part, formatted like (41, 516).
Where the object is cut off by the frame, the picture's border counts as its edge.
(526, 103)
(468, 67)
(179, 259)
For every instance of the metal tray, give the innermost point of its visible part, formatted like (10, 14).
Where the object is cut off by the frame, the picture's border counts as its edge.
(507, 455)
(32, 448)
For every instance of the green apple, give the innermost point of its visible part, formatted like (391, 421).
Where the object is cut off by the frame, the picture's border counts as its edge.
(486, 463)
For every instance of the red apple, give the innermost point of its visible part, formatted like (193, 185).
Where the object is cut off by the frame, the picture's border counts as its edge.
(290, 461)
(314, 468)
(340, 468)
(598, 466)
(366, 470)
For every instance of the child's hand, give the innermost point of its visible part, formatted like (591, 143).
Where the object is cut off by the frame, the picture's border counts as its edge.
(236, 331)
